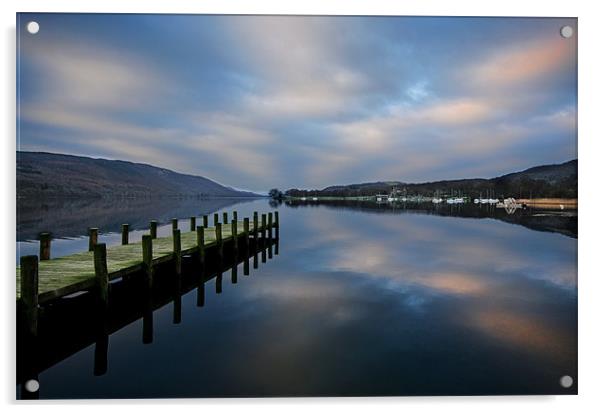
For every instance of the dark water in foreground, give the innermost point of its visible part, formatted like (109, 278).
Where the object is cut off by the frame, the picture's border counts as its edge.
(359, 301)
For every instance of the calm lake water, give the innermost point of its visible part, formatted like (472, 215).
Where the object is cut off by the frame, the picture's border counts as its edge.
(360, 300)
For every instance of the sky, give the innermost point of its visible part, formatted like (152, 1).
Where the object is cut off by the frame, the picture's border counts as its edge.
(257, 102)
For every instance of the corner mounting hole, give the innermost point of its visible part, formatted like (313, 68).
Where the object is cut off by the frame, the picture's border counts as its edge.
(33, 27)
(566, 32)
(566, 381)
(32, 386)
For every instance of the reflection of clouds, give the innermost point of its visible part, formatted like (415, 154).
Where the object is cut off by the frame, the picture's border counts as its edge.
(324, 297)
(439, 253)
(456, 283)
(493, 271)
(526, 331)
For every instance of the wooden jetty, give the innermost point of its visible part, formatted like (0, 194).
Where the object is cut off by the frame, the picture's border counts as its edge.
(77, 321)
(41, 281)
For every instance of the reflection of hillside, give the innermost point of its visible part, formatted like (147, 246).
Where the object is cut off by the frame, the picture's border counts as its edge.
(549, 221)
(72, 217)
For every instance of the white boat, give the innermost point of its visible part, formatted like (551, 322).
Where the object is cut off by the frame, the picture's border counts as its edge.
(437, 200)
(314, 199)
(455, 200)
(303, 199)
(485, 201)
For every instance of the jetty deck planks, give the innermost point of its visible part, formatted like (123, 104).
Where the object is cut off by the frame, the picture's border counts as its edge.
(66, 275)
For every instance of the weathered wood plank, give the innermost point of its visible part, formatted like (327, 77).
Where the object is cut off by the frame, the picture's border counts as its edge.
(63, 276)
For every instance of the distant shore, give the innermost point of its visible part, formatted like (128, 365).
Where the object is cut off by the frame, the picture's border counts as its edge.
(550, 203)
(544, 203)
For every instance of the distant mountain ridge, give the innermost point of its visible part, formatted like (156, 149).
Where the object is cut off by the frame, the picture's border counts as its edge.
(554, 181)
(42, 174)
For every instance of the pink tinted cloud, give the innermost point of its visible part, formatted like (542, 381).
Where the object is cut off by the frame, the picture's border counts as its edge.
(520, 65)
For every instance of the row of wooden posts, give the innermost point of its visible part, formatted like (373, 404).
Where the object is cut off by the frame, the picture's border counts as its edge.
(272, 222)
(29, 264)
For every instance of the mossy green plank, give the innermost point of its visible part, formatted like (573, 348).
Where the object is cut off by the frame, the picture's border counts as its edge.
(61, 272)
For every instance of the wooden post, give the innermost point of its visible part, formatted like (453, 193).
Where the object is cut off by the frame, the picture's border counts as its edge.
(225, 216)
(147, 258)
(205, 221)
(177, 250)
(218, 239)
(102, 274)
(255, 224)
(147, 313)
(192, 223)
(263, 226)
(270, 223)
(235, 234)
(174, 224)
(200, 242)
(235, 215)
(92, 238)
(215, 219)
(45, 238)
(153, 229)
(246, 231)
(276, 220)
(125, 234)
(29, 292)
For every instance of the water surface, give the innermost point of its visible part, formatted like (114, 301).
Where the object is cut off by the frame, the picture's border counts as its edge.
(361, 300)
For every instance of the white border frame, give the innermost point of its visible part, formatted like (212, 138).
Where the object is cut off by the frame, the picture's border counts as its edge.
(590, 284)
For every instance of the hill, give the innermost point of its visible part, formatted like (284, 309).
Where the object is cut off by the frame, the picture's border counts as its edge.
(42, 174)
(554, 181)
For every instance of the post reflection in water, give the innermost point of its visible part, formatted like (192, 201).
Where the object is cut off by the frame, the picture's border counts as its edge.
(101, 355)
(245, 270)
(101, 347)
(200, 296)
(147, 318)
(235, 269)
(218, 283)
(177, 301)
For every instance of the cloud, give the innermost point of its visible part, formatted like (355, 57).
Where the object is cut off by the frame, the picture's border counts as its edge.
(94, 78)
(529, 63)
(302, 102)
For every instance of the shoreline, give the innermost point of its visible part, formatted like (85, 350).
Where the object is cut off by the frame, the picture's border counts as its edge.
(543, 203)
